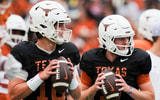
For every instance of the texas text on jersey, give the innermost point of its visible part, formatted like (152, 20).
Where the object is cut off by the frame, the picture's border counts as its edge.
(94, 62)
(36, 60)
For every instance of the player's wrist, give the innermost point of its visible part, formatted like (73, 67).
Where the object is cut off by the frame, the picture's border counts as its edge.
(74, 82)
(34, 82)
(42, 76)
(130, 91)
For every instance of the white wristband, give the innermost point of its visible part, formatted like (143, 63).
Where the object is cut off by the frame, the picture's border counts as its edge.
(34, 82)
(74, 83)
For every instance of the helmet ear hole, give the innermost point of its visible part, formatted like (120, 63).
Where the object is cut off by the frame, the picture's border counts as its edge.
(55, 24)
(39, 35)
(104, 46)
(43, 26)
(104, 40)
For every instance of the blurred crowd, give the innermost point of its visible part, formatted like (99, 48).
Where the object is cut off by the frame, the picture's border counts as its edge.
(86, 14)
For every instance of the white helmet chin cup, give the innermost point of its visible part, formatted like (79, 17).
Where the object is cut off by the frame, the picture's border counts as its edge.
(43, 17)
(112, 27)
(146, 19)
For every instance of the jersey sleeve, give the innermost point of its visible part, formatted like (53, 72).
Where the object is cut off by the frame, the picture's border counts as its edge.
(86, 65)
(19, 53)
(146, 65)
(143, 78)
(142, 61)
(85, 79)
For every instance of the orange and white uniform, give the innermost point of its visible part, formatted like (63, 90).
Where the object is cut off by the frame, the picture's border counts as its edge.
(5, 50)
(5, 11)
(3, 82)
(3, 86)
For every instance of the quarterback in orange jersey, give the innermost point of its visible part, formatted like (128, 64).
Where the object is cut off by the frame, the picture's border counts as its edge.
(131, 65)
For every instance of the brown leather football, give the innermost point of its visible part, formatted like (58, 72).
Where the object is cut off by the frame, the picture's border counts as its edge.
(109, 88)
(62, 79)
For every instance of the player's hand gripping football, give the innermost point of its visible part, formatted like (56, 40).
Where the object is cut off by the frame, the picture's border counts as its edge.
(121, 83)
(12, 67)
(49, 70)
(98, 83)
(70, 63)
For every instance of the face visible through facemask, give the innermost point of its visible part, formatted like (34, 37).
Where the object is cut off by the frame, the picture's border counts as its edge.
(62, 31)
(122, 43)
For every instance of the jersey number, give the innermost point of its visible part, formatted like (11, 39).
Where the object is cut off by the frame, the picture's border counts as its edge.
(43, 97)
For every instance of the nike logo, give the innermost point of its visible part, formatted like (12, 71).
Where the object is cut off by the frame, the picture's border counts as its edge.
(123, 60)
(65, 74)
(112, 89)
(60, 51)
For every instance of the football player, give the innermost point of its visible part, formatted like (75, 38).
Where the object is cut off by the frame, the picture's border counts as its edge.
(155, 57)
(9, 66)
(146, 19)
(17, 30)
(118, 54)
(48, 19)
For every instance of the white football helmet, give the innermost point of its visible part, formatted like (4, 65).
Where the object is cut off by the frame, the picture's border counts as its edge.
(146, 19)
(43, 18)
(116, 26)
(16, 22)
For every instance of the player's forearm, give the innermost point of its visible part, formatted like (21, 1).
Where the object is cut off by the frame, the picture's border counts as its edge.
(76, 93)
(142, 95)
(19, 91)
(75, 86)
(19, 88)
(88, 94)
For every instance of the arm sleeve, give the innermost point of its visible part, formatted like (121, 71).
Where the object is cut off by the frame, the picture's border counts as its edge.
(85, 79)
(143, 78)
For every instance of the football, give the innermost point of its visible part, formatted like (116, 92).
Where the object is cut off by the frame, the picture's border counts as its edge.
(62, 79)
(109, 88)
